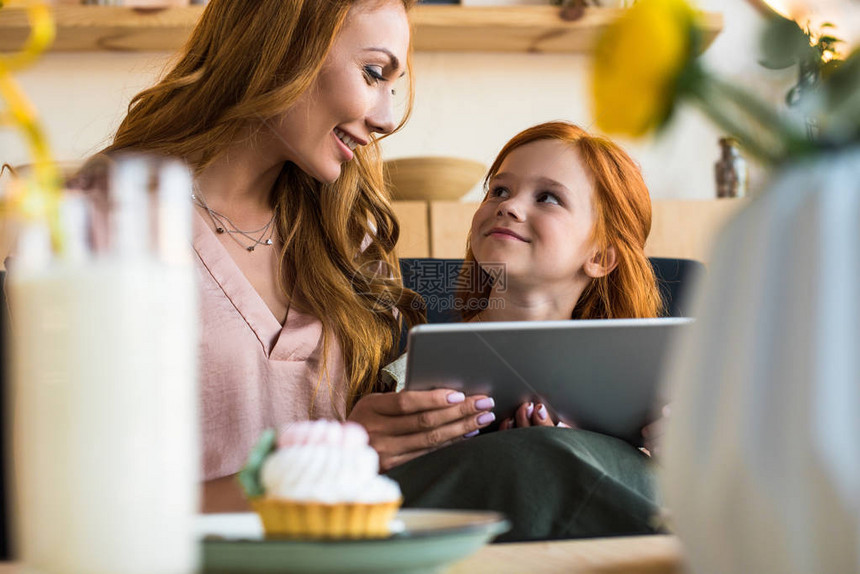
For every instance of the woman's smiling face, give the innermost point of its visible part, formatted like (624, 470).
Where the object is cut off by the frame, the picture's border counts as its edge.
(352, 97)
(538, 217)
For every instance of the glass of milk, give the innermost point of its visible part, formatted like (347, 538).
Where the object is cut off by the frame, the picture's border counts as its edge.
(103, 399)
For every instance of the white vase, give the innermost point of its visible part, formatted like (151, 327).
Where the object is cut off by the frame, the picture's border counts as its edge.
(762, 467)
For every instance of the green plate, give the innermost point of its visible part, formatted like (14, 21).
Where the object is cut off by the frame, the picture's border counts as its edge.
(426, 541)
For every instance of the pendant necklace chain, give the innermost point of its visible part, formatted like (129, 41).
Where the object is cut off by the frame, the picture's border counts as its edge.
(223, 224)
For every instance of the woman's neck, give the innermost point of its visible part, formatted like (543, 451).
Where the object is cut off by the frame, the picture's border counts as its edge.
(544, 303)
(239, 181)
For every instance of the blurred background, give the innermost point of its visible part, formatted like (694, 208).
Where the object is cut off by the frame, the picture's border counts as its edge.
(467, 104)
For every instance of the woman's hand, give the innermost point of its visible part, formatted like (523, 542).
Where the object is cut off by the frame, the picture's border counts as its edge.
(528, 415)
(405, 425)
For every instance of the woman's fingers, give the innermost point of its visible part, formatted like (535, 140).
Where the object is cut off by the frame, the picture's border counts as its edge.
(405, 425)
(411, 402)
(387, 463)
(430, 420)
(395, 448)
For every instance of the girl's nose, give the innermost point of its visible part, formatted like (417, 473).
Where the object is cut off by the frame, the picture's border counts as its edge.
(510, 207)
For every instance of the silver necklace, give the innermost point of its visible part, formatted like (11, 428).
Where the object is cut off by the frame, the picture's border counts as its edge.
(223, 224)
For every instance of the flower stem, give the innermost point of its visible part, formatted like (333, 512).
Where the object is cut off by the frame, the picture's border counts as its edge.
(763, 132)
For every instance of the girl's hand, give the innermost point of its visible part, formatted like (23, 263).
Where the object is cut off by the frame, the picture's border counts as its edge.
(652, 435)
(527, 415)
(405, 425)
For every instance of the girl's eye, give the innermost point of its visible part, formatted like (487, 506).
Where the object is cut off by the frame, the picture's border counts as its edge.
(499, 192)
(373, 74)
(547, 197)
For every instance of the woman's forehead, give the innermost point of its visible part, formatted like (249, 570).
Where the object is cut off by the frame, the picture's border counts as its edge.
(378, 26)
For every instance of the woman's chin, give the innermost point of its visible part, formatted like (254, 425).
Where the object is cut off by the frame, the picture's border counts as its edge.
(330, 175)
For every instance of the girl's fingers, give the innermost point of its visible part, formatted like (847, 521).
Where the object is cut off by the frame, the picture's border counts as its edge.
(541, 417)
(523, 415)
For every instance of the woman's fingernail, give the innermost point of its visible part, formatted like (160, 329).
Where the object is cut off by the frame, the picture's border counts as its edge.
(456, 398)
(542, 413)
(485, 404)
(486, 419)
(471, 434)
(530, 410)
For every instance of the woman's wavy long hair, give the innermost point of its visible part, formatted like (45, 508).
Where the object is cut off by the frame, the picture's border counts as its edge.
(622, 220)
(247, 62)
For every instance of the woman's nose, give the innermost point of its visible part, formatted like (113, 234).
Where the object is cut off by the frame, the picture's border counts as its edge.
(381, 118)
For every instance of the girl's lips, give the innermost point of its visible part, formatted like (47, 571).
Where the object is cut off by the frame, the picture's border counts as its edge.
(506, 234)
(344, 150)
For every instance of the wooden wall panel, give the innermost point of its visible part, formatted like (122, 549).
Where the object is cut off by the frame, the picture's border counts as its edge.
(686, 228)
(449, 225)
(414, 228)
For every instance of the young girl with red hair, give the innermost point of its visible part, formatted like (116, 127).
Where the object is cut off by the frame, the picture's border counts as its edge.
(565, 218)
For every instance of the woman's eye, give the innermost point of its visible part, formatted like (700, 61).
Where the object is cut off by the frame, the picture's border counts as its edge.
(373, 74)
(499, 192)
(547, 197)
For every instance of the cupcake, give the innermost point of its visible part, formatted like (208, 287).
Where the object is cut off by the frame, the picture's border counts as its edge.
(319, 479)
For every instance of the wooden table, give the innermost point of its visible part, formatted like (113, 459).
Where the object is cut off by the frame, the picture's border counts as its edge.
(624, 555)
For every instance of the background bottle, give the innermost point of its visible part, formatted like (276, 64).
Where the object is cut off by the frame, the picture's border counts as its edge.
(731, 170)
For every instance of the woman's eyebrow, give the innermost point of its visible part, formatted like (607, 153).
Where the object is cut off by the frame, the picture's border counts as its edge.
(395, 61)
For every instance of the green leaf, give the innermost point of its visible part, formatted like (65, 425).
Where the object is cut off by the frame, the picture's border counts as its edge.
(842, 79)
(249, 476)
(783, 44)
(829, 40)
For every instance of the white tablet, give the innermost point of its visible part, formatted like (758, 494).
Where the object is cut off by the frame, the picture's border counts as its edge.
(603, 374)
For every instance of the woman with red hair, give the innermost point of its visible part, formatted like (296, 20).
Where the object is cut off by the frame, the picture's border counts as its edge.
(565, 216)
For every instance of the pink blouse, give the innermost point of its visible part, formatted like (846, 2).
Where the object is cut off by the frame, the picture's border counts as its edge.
(254, 372)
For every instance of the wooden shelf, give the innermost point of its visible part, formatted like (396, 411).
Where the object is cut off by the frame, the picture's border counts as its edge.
(438, 28)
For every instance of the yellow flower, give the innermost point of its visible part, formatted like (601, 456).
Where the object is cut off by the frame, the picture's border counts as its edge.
(637, 64)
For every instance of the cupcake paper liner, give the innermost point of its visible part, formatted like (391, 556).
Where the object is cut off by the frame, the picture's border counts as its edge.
(290, 518)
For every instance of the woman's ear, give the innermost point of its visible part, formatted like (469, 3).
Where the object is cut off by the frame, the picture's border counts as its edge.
(601, 263)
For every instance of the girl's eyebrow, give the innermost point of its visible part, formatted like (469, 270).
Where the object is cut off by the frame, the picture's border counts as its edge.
(394, 60)
(539, 181)
(547, 182)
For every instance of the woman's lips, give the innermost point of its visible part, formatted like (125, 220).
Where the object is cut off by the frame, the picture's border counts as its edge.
(345, 151)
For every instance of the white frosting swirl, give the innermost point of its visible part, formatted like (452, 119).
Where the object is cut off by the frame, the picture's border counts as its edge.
(328, 462)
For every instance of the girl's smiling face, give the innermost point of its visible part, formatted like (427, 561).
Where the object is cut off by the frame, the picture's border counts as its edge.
(538, 217)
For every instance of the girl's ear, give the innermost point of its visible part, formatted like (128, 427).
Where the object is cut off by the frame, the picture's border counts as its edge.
(601, 263)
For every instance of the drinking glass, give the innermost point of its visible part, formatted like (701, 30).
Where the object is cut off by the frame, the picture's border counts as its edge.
(103, 321)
